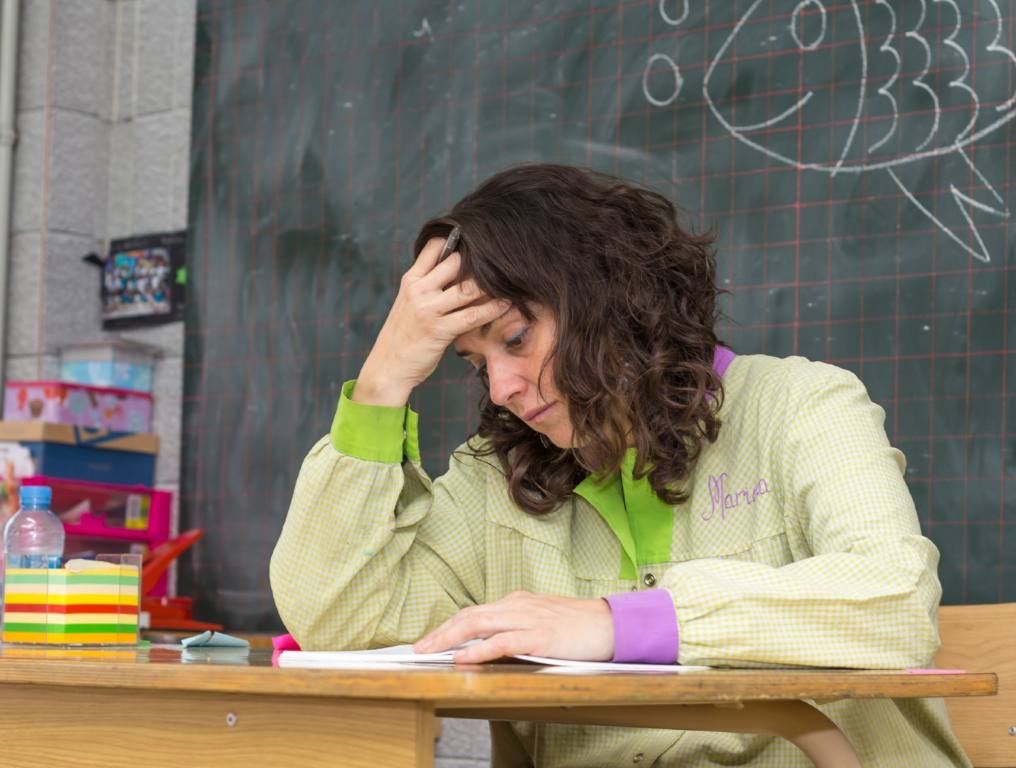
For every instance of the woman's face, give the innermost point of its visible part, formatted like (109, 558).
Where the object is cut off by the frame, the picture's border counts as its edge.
(513, 350)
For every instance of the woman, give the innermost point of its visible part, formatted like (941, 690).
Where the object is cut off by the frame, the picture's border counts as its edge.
(634, 491)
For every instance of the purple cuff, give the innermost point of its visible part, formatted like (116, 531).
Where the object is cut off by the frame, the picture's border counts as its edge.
(645, 627)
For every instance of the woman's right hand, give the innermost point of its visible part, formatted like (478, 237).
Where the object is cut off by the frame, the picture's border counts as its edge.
(429, 313)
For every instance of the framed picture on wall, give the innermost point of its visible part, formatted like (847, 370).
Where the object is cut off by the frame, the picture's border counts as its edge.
(143, 280)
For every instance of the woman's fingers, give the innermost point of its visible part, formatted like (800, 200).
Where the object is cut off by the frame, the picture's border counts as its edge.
(499, 646)
(431, 270)
(473, 316)
(427, 259)
(542, 625)
(443, 273)
(458, 295)
(434, 281)
(438, 288)
(481, 621)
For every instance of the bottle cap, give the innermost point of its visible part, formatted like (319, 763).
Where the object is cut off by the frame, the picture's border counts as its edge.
(36, 495)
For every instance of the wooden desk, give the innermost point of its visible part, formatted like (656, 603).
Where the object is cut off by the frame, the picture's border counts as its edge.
(127, 708)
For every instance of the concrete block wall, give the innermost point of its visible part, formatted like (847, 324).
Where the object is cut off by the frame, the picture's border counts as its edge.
(103, 123)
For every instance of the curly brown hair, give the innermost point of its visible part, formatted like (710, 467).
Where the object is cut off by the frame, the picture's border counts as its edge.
(634, 298)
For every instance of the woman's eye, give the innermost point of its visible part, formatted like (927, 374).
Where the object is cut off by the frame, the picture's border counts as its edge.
(516, 340)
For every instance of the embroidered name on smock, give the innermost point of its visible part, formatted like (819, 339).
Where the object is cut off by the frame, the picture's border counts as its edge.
(724, 497)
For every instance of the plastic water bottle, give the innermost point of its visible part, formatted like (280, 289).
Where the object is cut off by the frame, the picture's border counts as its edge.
(34, 537)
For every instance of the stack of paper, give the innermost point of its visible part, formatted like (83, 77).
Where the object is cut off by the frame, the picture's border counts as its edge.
(94, 605)
(402, 655)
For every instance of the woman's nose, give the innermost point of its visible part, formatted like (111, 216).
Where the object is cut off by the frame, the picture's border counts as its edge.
(505, 382)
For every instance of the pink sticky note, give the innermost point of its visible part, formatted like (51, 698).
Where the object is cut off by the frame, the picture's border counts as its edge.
(285, 643)
(936, 671)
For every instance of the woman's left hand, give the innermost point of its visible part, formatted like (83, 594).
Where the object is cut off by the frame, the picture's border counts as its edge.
(538, 625)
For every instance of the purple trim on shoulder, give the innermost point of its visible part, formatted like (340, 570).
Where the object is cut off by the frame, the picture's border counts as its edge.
(722, 357)
(645, 627)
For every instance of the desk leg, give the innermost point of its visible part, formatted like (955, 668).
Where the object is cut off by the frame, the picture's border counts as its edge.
(796, 721)
(125, 728)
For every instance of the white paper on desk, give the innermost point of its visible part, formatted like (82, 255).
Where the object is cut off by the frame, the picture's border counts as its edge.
(606, 666)
(396, 654)
(403, 655)
(402, 666)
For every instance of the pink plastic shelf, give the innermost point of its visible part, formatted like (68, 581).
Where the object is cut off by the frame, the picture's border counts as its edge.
(93, 526)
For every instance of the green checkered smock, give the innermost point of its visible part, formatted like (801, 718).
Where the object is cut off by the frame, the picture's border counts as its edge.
(799, 545)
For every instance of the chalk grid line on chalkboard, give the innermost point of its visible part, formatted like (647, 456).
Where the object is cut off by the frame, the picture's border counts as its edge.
(931, 145)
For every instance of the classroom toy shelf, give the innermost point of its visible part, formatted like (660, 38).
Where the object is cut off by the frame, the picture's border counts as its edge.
(106, 516)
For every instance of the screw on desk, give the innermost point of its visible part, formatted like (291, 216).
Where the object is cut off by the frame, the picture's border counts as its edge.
(230, 719)
(1012, 730)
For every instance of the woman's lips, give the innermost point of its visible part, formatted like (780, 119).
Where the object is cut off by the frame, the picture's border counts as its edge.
(537, 414)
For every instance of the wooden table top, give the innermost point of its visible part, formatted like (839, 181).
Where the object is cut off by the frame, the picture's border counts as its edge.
(464, 686)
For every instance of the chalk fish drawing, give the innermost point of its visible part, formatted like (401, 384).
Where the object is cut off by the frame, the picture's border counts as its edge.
(889, 49)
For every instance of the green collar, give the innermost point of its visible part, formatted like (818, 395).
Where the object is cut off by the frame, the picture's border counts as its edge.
(642, 522)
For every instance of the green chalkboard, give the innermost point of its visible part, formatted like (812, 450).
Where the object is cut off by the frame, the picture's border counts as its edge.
(856, 160)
